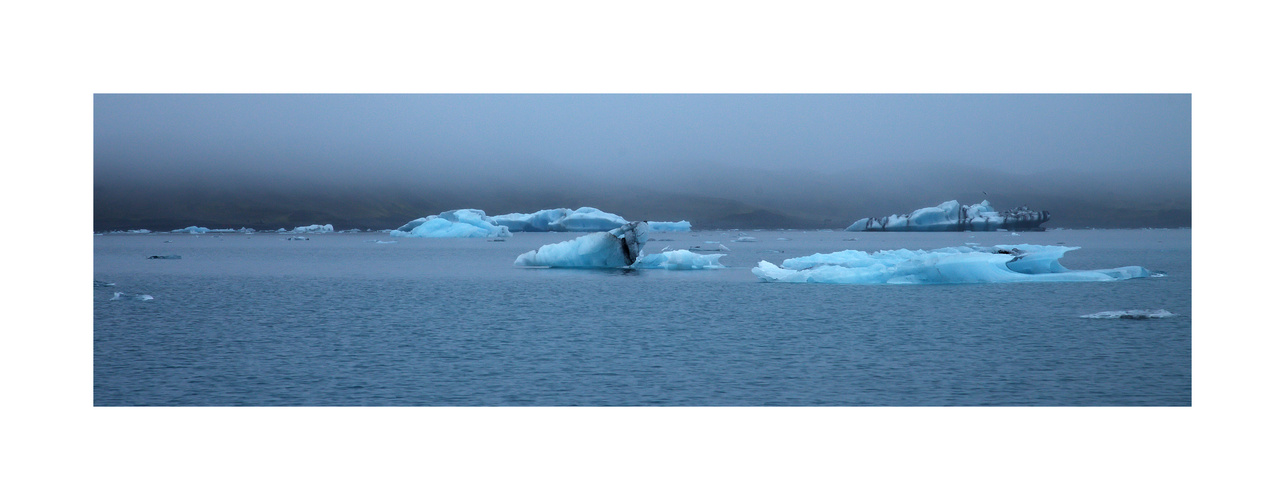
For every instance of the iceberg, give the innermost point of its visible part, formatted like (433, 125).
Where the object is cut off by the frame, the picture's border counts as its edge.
(192, 230)
(619, 247)
(561, 219)
(951, 216)
(679, 260)
(670, 227)
(964, 264)
(1131, 314)
(315, 228)
(463, 223)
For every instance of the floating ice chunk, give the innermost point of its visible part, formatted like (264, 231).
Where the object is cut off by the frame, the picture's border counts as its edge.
(619, 247)
(745, 239)
(679, 260)
(1131, 314)
(591, 219)
(541, 221)
(100, 284)
(464, 223)
(297, 238)
(136, 231)
(561, 219)
(670, 227)
(963, 264)
(192, 230)
(380, 241)
(951, 216)
(167, 257)
(314, 229)
(131, 296)
(710, 246)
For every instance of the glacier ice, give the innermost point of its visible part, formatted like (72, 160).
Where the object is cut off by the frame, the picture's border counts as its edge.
(619, 247)
(951, 216)
(963, 264)
(1131, 314)
(192, 230)
(670, 227)
(315, 228)
(463, 223)
(679, 260)
(561, 219)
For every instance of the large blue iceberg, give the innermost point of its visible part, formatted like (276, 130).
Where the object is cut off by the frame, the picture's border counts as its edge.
(561, 219)
(997, 264)
(619, 247)
(464, 223)
(951, 216)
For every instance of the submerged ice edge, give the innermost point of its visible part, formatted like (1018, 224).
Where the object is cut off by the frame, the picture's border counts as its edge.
(1131, 314)
(998, 264)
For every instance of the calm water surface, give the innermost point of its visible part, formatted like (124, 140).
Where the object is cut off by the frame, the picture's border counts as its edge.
(340, 320)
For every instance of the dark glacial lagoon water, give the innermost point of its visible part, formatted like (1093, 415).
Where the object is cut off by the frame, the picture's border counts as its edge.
(339, 320)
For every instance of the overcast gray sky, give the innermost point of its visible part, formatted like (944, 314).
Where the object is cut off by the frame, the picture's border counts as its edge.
(369, 135)
(774, 151)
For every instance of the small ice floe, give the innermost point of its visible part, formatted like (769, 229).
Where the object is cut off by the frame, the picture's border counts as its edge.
(497, 240)
(710, 246)
(1013, 234)
(167, 257)
(678, 260)
(745, 239)
(771, 251)
(297, 238)
(101, 284)
(788, 239)
(1131, 314)
(130, 296)
(380, 242)
(167, 241)
(663, 226)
